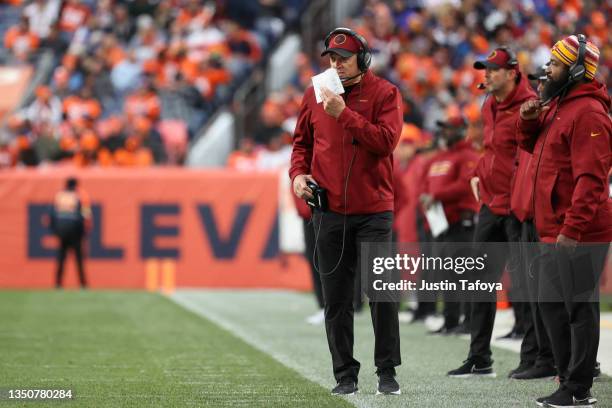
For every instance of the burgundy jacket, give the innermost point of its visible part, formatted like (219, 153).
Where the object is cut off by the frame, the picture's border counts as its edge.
(497, 164)
(522, 187)
(572, 145)
(448, 180)
(366, 133)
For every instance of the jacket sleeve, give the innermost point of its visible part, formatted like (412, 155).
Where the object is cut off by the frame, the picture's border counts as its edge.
(590, 156)
(382, 136)
(527, 133)
(457, 190)
(303, 141)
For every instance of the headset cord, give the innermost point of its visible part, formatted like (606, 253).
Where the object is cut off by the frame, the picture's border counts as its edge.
(348, 176)
(314, 253)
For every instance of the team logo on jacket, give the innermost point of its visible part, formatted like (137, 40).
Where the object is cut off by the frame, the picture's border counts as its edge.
(440, 168)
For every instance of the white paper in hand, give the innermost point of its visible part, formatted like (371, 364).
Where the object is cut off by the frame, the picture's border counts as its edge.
(436, 219)
(327, 79)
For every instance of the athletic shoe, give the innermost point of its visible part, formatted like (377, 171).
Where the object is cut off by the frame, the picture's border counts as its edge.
(563, 398)
(317, 318)
(444, 331)
(346, 386)
(523, 366)
(471, 368)
(463, 328)
(386, 382)
(542, 400)
(535, 372)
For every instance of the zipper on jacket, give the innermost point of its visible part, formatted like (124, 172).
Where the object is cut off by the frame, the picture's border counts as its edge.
(535, 178)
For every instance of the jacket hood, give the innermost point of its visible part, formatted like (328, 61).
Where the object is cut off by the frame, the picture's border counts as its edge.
(593, 89)
(520, 94)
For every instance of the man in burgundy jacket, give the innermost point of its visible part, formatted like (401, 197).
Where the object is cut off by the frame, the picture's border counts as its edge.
(507, 89)
(536, 358)
(345, 145)
(571, 141)
(447, 180)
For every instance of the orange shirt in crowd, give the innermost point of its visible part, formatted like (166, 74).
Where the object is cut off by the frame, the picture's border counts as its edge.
(19, 42)
(199, 19)
(73, 16)
(207, 81)
(77, 108)
(147, 104)
(114, 56)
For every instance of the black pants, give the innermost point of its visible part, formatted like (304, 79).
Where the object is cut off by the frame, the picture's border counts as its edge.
(490, 228)
(453, 304)
(535, 347)
(573, 324)
(425, 304)
(338, 289)
(70, 242)
(309, 241)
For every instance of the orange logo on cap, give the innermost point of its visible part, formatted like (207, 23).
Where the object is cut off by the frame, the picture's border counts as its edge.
(492, 55)
(340, 39)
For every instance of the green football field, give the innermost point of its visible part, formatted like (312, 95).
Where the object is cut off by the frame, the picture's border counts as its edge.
(223, 349)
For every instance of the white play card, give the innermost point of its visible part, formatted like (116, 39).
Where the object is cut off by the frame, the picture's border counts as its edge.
(327, 79)
(436, 219)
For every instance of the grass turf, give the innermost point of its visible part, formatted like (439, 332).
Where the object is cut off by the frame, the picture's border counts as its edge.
(274, 322)
(134, 349)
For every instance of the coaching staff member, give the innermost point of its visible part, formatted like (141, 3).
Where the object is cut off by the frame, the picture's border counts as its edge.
(345, 145)
(448, 181)
(571, 143)
(507, 89)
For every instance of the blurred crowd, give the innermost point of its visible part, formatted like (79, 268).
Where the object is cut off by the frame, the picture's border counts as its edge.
(427, 48)
(132, 81)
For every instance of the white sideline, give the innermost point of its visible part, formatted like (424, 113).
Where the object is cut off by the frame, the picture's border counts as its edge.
(183, 299)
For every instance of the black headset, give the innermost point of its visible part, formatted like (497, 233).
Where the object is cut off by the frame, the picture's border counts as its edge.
(577, 69)
(364, 56)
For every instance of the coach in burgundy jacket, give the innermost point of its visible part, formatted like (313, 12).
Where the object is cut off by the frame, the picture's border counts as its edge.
(571, 141)
(571, 161)
(496, 166)
(368, 128)
(345, 144)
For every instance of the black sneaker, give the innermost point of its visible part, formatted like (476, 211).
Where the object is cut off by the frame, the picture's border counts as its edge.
(346, 386)
(461, 329)
(563, 398)
(386, 382)
(535, 372)
(471, 368)
(563, 401)
(542, 400)
(523, 366)
(444, 331)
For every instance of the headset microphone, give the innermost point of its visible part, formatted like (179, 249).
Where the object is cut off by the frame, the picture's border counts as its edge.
(343, 79)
